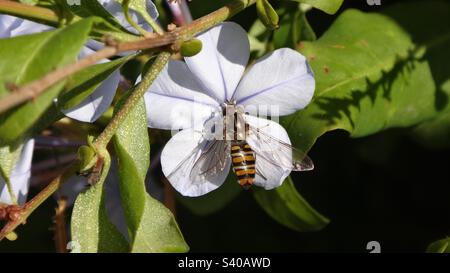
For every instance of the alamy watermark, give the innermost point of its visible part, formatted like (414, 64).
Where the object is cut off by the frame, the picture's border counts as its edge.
(74, 2)
(373, 2)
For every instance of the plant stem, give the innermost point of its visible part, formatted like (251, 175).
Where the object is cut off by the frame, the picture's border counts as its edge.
(60, 227)
(156, 28)
(126, 11)
(43, 15)
(147, 79)
(34, 203)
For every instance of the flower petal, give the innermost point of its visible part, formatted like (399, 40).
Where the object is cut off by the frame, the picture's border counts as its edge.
(20, 176)
(180, 154)
(274, 175)
(174, 100)
(282, 79)
(91, 108)
(221, 62)
(11, 26)
(86, 51)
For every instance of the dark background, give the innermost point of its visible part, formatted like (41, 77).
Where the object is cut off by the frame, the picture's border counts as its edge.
(386, 187)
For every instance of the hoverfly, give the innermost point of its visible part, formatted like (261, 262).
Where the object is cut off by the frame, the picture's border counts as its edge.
(237, 139)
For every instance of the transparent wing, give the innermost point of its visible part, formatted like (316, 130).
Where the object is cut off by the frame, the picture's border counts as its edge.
(278, 152)
(211, 162)
(204, 162)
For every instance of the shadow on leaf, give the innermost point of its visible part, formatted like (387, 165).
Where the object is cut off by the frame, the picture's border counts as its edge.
(335, 109)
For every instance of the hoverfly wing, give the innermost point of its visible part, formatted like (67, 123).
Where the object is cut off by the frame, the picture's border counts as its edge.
(204, 162)
(213, 161)
(184, 167)
(279, 152)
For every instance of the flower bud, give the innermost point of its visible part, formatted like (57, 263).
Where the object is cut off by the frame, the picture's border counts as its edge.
(12, 236)
(267, 14)
(86, 156)
(191, 48)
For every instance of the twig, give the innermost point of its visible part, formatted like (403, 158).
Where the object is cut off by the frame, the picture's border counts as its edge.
(21, 215)
(43, 15)
(60, 226)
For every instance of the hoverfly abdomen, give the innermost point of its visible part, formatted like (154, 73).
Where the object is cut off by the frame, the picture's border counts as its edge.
(243, 160)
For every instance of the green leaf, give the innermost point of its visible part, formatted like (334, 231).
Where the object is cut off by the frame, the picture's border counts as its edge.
(258, 37)
(9, 155)
(92, 231)
(432, 32)
(158, 231)
(368, 79)
(213, 201)
(441, 246)
(151, 226)
(328, 6)
(267, 14)
(288, 207)
(27, 58)
(286, 35)
(83, 83)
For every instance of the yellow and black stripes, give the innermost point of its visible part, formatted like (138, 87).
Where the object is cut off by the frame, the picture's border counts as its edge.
(243, 159)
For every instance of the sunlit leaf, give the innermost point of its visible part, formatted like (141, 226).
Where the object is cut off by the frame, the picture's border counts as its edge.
(151, 226)
(369, 78)
(9, 155)
(328, 6)
(92, 231)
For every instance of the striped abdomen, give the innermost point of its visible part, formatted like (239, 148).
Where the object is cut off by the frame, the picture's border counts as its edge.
(243, 159)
